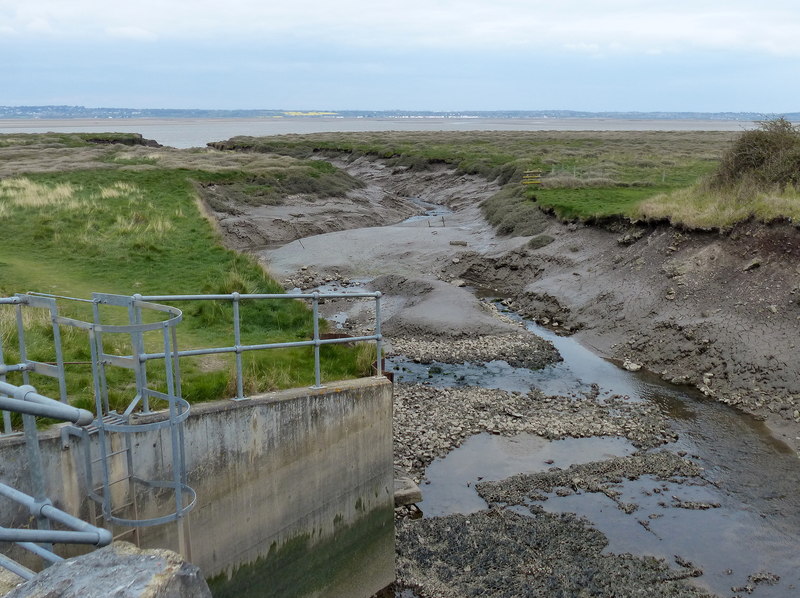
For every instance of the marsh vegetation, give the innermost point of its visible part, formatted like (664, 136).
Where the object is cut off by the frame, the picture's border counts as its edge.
(80, 217)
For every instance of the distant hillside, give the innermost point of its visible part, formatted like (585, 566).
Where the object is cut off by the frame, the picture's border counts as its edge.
(66, 112)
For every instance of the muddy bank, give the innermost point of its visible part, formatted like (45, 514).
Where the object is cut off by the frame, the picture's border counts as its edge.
(616, 290)
(384, 199)
(718, 312)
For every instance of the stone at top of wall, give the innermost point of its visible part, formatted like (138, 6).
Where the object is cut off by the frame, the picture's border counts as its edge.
(120, 570)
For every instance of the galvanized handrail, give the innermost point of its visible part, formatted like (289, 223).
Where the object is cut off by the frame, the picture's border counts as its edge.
(107, 421)
(28, 402)
(237, 348)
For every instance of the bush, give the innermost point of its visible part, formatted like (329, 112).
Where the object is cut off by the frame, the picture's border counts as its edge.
(765, 158)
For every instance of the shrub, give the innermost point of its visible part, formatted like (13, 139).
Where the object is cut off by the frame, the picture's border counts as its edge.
(767, 157)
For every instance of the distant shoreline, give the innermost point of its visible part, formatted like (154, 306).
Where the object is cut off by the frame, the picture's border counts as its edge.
(197, 132)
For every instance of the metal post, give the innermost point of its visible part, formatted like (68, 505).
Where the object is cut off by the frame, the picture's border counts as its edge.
(36, 468)
(137, 345)
(379, 339)
(177, 472)
(62, 381)
(101, 430)
(6, 414)
(317, 367)
(100, 370)
(237, 341)
(23, 351)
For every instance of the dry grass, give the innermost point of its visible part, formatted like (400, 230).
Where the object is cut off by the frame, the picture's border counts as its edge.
(25, 193)
(704, 207)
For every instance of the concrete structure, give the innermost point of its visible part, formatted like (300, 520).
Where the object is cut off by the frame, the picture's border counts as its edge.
(294, 490)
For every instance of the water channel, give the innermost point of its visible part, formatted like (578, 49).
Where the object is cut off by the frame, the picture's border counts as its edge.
(748, 544)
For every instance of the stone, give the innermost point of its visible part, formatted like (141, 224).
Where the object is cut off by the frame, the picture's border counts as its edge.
(120, 570)
(631, 366)
(752, 265)
(406, 492)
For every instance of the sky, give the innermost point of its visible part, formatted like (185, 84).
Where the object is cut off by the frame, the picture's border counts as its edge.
(594, 55)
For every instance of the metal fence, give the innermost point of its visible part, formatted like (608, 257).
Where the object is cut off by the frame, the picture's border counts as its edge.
(136, 328)
(136, 312)
(238, 348)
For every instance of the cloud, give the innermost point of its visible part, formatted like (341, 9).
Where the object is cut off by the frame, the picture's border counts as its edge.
(595, 25)
(131, 33)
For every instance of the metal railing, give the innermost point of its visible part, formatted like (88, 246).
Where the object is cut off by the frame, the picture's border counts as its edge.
(106, 421)
(238, 348)
(39, 541)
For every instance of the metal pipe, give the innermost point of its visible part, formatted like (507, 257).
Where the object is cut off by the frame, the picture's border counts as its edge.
(378, 336)
(47, 536)
(244, 348)
(246, 297)
(45, 509)
(237, 341)
(16, 568)
(59, 411)
(317, 367)
(39, 551)
(32, 401)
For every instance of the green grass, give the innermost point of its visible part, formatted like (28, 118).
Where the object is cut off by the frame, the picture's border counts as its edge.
(586, 175)
(758, 178)
(100, 225)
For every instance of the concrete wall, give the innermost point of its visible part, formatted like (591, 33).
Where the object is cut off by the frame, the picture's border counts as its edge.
(295, 490)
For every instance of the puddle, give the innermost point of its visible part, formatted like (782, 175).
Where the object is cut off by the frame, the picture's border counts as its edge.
(728, 543)
(754, 477)
(489, 457)
(432, 210)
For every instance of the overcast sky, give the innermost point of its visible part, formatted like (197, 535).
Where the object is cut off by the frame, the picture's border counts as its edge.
(645, 55)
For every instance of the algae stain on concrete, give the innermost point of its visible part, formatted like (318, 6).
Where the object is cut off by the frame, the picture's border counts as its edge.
(303, 567)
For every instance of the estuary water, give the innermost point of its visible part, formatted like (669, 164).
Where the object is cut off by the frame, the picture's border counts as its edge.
(197, 132)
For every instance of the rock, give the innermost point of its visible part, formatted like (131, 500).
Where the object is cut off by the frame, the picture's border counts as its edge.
(631, 366)
(458, 282)
(406, 492)
(120, 570)
(456, 260)
(752, 265)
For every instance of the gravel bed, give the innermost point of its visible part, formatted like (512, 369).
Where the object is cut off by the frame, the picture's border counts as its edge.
(522, 350)
(429, 422)
(599, 476)
(504, 554)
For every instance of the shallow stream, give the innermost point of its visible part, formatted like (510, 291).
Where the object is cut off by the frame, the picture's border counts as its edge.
(743, 545)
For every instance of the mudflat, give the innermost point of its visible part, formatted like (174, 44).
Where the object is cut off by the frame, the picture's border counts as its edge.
(714, 312)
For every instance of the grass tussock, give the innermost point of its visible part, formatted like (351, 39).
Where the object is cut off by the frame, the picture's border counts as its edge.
(705, 207)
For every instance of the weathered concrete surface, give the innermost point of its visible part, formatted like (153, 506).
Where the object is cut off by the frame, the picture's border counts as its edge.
(304, 472)
(120, 570)
(8, 581)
